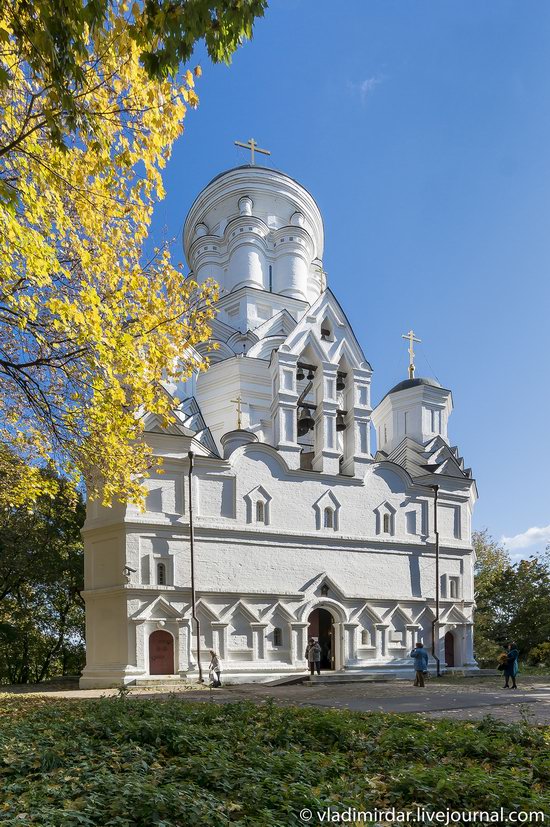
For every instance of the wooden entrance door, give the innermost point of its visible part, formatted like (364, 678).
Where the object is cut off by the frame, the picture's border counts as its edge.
(449, 649)
(161, 653)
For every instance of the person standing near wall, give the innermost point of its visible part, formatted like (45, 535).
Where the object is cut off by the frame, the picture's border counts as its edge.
(313, 656)
(420, 656)
(215, 669)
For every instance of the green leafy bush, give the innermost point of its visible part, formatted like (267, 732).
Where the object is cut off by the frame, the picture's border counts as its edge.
(148, 763)
(539, 655)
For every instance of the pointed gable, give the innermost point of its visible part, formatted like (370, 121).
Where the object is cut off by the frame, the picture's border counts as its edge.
(280, 324)
(342, 342)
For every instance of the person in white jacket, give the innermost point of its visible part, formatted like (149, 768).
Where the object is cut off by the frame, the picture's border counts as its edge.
(215, 670)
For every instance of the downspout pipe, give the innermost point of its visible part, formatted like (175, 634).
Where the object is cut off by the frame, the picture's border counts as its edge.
(191, 457)
(435, 621)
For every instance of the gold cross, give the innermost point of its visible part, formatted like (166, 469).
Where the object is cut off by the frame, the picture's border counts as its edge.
(238, 400)
(412, 339)
(253, 147)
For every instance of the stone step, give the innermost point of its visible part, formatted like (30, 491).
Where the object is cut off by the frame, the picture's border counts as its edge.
(161, 681)
(359, 677)
(287, 680)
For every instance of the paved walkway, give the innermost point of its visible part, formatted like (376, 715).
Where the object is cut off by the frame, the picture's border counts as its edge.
(461, 698)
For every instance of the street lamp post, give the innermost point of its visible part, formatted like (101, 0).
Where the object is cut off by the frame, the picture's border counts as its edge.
(192, 550)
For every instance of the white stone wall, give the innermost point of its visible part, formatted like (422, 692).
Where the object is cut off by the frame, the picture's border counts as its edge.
(253, 578)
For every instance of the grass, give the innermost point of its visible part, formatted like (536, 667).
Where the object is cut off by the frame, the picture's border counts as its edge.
(122, 762)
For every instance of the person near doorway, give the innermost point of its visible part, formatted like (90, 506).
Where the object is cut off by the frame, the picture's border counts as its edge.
(511, 666)
(420, 657)
(214, 670)
(313, 656)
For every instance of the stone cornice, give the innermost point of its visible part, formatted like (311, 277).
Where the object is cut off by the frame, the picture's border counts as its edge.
(209, 532)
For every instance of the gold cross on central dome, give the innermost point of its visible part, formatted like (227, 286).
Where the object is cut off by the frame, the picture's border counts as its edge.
(253, 147)
(412, 339)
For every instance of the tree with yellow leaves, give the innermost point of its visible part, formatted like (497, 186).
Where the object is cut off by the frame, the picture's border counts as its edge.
(88, 329)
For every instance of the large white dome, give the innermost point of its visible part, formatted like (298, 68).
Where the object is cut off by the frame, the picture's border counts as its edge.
(256, 227)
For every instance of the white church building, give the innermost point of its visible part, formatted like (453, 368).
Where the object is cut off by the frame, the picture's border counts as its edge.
(301, 528)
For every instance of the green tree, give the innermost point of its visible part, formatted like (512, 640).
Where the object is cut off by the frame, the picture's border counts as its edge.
(41, 578)
(54, 37)
(512, 599)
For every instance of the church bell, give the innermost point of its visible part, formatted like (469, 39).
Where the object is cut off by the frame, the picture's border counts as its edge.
(300, 374)
(305, 422)
(340, 384)
(340, 424)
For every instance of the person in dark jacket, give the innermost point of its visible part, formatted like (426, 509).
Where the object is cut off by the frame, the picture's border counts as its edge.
(420, 656)
(511, 666)
(313, 656)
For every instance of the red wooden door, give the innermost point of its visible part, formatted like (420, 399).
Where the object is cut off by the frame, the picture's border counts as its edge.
(161, 653)
(449, 649)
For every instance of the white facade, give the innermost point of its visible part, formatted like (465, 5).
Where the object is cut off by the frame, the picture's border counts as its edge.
(293, 513)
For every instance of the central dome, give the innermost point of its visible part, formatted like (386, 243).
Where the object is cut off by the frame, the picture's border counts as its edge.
(253, 226)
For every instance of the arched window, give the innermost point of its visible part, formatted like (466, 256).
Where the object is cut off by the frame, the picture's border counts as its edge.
(386, 523)
(365, 637)
(328, 518)
(161, 574)
(260, 512)
(277, 636)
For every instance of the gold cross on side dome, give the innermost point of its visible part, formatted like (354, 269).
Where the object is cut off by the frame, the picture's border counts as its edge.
(238, 401)
(412, 339)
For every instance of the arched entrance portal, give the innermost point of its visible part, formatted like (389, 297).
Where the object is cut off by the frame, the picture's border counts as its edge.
(321, 626)
(161, 653)
(450, 649)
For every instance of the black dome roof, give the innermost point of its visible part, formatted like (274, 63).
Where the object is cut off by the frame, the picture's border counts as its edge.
(412, 383)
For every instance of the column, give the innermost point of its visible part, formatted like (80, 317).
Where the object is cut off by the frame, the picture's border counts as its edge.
(326, 457)
(350, 643)
(140, 646)
(258, 640)
(339, 645)
(298, 633)
(283, 407)
(184, 644)
(382, 640)
(219, 638)
(413, 630)
(468, 645)
(356, 401)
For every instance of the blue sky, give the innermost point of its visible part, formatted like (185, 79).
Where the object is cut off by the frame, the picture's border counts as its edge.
(422, 129)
